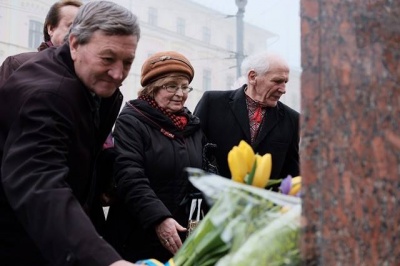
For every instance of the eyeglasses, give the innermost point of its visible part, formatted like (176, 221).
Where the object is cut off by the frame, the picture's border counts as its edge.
(175, 88)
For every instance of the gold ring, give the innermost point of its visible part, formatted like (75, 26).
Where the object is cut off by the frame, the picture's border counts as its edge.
(166, 241)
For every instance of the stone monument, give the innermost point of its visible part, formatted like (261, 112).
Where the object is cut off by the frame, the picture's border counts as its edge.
(350, 132)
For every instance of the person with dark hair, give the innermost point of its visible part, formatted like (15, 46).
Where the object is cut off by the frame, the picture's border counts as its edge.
(58, 21)
(156, 138)
(253, 113)
(56, 26)
(56, 111)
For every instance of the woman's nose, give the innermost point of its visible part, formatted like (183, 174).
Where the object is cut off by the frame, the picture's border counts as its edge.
(179, 91)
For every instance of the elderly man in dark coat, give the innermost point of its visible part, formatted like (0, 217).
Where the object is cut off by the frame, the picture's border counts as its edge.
(254, 113)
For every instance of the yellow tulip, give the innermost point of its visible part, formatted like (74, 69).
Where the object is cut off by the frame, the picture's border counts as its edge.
(296, 180)
(296, 185)
(248, 154)
(237, 164)
(263, 170)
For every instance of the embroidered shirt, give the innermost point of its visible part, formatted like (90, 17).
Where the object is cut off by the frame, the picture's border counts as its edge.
(256, 112)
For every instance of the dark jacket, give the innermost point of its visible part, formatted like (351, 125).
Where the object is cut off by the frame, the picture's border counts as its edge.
(150, 178)
(48, 146)
(224, 119)
(11, 63)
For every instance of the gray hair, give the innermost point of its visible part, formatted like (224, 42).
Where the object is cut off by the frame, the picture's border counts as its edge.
(108, 17)
(262, 62)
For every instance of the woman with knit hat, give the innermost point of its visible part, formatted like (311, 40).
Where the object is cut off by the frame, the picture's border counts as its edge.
(156, 138)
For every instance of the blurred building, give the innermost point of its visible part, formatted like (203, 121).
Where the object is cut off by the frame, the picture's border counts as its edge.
(206, 37)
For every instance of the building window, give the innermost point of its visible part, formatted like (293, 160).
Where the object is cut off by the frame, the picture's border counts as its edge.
(206, 35)
(229, 43)
(207, 79)
(153, 16)
(35, 34)
(180, 26)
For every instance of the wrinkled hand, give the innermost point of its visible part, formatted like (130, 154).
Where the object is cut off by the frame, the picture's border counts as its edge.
(167, 232)
(125, 263)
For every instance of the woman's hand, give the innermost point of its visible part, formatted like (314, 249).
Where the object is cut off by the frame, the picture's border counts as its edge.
(167, 232)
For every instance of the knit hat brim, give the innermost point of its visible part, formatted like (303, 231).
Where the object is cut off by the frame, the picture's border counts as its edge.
(163, 63)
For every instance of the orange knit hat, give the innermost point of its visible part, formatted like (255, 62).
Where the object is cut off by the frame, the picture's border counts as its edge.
(163, 63)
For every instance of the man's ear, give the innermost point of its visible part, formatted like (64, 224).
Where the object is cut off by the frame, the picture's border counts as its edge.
(73, 46)
(251, 77)
(50, 31)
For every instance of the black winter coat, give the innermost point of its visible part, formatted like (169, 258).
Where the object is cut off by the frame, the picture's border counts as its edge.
(48, 147)
(150, 178)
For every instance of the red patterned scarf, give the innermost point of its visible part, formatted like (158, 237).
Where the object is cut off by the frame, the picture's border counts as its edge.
(180, 121)
(256, 112)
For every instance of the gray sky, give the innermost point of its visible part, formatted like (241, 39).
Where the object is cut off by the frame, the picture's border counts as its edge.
(281, 17)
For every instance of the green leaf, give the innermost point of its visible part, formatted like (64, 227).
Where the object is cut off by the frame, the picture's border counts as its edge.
(273, 182)
(250, 176)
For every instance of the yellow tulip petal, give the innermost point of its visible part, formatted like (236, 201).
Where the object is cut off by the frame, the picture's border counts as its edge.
(237, 165)
(263, 170)
(248, 153)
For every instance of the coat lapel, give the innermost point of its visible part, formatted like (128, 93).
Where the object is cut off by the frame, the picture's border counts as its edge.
(271, 119)
(239, 110)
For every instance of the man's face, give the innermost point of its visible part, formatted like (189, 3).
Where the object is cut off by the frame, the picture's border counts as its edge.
(104, 62)
(67, 16)
(271, 86)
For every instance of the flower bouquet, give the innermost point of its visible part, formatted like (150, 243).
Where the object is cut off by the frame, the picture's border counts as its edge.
(247, 224)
